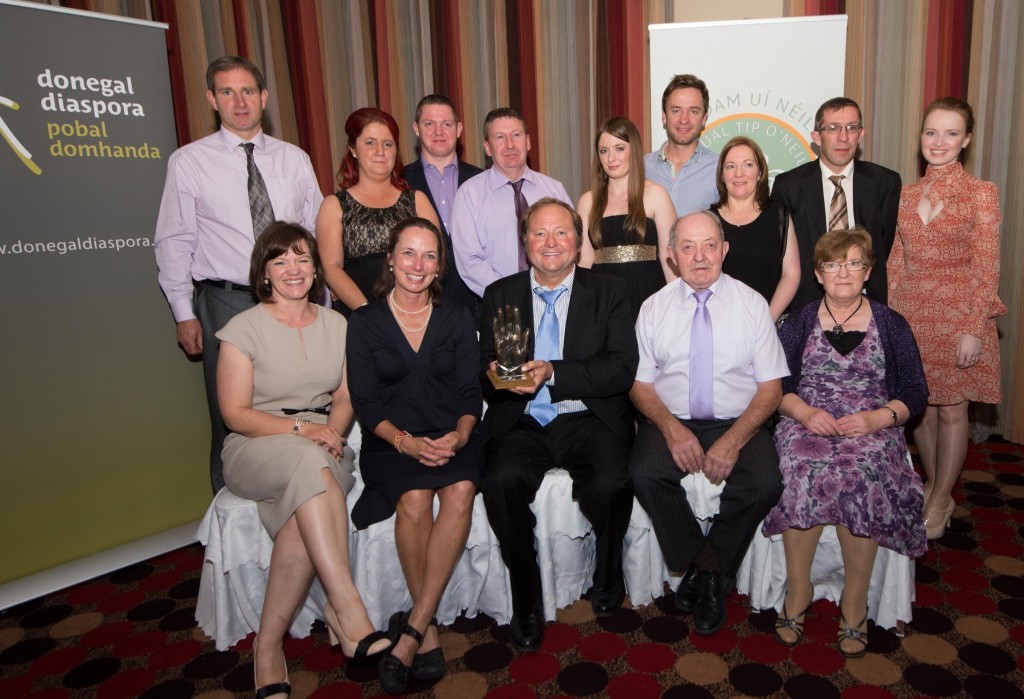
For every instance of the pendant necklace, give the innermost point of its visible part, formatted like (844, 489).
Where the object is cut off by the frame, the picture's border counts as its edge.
(838, 331)
(395, 309)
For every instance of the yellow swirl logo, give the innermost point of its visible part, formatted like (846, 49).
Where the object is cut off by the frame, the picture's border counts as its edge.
(12, 140)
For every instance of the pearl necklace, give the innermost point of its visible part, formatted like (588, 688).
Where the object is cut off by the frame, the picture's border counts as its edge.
(391, 298)
(395, 309)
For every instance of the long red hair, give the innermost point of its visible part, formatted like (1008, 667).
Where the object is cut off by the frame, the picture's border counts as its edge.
(348, 173)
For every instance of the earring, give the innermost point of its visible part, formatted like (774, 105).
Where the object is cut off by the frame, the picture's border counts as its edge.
(266, 280)
(391, 268)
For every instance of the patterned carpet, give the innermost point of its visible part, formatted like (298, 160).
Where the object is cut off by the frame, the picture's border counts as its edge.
(132, 634)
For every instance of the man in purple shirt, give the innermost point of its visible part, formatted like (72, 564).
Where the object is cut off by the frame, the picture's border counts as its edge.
(206, 231)
(484, 218)
(438, 173)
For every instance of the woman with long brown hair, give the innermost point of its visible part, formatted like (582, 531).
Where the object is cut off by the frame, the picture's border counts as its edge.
(626, 218)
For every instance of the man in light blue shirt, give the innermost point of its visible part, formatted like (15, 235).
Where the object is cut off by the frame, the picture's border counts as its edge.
(682, 165)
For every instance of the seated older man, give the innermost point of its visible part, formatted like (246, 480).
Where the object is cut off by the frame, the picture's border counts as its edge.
(708, 380)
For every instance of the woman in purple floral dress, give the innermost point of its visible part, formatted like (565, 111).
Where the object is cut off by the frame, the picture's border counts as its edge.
(856, 378)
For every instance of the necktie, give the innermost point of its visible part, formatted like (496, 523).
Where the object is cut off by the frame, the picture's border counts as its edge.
(260, 208)
(837, 219)
(521, 207)
(547, 348)
(702, 384)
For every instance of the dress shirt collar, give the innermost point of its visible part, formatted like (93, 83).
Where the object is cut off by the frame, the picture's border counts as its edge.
(698, 155)
(567, 282)
(426, 164)
(719, 288)
(231, 140)
(846, 172)
(498, 180)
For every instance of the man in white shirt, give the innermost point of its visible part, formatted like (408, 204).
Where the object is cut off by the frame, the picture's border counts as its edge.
(709, 379)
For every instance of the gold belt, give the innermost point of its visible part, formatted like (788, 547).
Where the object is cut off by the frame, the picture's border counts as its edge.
(625, 253)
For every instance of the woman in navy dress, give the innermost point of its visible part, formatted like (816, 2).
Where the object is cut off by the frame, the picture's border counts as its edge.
(413, 379)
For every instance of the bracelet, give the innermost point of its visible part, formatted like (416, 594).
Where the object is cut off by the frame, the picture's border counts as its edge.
(895, 417)
(299, 422)
(397, 441)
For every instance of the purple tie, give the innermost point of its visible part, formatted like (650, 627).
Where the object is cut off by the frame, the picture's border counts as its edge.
(702, 386)
(521, 207)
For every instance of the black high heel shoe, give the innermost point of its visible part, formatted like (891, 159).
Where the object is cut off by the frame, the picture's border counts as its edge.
(364, 648)
(794, 624)
(429, 666)
(394, 676)
(852, 633)
(274, 688)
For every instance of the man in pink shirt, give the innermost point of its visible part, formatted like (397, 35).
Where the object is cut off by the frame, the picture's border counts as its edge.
(221, 192)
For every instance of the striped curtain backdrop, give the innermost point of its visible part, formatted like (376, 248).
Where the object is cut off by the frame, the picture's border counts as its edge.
(568, 65)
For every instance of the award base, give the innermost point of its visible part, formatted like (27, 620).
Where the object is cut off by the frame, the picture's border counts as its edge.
(501, 383)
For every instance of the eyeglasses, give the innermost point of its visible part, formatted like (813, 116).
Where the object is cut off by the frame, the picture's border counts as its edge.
(851, 266)
(834, 129)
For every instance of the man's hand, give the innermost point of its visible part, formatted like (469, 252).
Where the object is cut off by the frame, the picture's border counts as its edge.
(684, 448)
(720, 460)
(537, 369)
(190, 336)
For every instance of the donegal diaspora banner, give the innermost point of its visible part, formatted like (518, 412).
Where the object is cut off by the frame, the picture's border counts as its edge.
(766, 78)
(104, 426)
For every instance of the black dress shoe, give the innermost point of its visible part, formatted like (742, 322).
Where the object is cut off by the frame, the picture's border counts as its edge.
(688, 591)
(527, 631)
(709, 616)
(606, 602)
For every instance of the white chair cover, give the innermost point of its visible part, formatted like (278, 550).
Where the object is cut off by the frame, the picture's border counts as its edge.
(238, 552)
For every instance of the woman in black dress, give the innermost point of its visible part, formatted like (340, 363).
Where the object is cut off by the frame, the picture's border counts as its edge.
(627, 219)
(762, 242)
(414, 384)
(352, 226)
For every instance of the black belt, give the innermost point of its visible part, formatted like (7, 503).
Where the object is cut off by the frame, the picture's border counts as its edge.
(326, 410)
(227, 286)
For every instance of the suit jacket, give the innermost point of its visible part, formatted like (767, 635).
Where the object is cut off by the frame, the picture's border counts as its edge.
(599, 353)
(876, 202)
(452, 286)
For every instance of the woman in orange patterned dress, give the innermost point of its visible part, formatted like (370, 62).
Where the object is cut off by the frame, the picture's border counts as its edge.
(943, 278)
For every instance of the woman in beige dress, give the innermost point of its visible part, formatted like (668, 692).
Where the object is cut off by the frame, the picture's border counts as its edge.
(283, 394)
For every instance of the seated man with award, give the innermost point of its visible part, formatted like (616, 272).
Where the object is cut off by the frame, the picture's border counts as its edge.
(574, 414)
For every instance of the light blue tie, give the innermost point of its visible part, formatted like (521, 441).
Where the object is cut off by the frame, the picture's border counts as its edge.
(701, 379)
(547, 349)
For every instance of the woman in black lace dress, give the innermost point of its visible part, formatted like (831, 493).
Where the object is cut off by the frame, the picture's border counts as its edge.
(352, 227)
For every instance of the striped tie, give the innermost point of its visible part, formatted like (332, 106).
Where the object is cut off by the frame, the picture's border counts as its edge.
(260, 208)
(837, 218)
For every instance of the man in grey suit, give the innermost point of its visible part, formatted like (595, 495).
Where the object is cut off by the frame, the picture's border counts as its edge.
(838, 191)
(439, 173)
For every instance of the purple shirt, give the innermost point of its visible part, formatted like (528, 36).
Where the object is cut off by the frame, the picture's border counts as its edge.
(443, 185)
(483, 231)
(204, 230)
